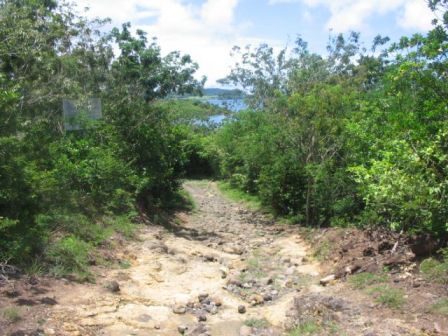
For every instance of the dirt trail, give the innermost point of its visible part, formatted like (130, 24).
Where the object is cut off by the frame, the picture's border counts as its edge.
(213, 261)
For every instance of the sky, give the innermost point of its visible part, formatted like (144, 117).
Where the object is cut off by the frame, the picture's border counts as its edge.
(208, 29)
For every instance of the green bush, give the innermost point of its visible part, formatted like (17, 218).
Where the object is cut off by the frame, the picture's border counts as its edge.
(57, 182)
(77, 224)
(69, 255)
(434, 270)
(264, 153)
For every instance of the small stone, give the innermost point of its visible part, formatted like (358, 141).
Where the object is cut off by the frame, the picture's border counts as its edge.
(296, 262)
(202, 318)
(234, 282)
(256, 299)
(113, 286)
(270, 281)
(210, 258)
(202, 297)
(241, 309)
(289, 283)
(233, 249)
(144, 318)
(157, 326)
(224, 272)
(217, 302)
(182, 329)
(214, 310)
(325, 281)
(179, 309)
(267, 297)
(274, 292)
(199, 330)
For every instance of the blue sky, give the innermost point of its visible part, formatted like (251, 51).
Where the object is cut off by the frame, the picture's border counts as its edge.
(207, 29)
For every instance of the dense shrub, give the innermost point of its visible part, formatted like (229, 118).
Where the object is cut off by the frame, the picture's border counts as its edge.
(350, 138)
(64, 192)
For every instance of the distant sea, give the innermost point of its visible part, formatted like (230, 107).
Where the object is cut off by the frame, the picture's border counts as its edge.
(234, 105)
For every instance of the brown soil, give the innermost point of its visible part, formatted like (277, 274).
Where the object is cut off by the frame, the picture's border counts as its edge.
(349, 252)
(222, 271)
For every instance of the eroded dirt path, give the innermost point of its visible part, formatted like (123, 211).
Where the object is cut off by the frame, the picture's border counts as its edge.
(235, 256)
(216, 270)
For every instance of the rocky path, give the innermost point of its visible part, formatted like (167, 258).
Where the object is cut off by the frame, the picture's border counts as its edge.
(221, 271)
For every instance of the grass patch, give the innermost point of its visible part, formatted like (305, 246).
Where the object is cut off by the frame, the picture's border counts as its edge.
(363, 280)
(123, 224)
(257, 323)
(12, 314)
(255, 268)
(125, 264)
(389, 296)
(70, 256)
(322, 250)
(35, 268)
(307, 328)
(303, 280)
(253, 263)
(335, 329)
(236, 195)
(434, 270)
(83, 227)
(308, 233)
(188, 201)
(314, 328)
(441, 307)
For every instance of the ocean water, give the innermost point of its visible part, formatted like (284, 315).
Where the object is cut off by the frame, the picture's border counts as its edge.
(234, 105)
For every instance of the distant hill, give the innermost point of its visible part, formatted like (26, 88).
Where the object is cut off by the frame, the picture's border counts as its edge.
(223, 93)
(212, 93)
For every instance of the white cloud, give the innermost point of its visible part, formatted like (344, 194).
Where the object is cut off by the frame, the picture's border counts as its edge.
(207, 32)
(416, 15)
(218, 13)
(354, 14)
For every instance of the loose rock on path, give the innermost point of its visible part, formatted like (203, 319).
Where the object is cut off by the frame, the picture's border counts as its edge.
(221, 271)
